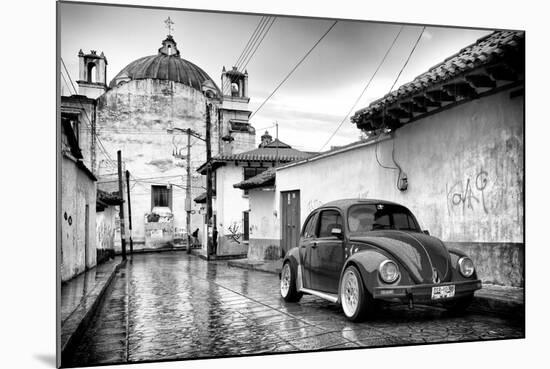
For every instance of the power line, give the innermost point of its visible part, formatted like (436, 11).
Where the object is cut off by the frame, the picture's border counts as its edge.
(408, 58)
(257, 37)
(259, 43)
(364, 89)
(251, 40)
(102, 148)
(295, 67)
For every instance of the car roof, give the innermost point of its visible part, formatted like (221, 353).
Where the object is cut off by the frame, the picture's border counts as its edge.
(345, 203)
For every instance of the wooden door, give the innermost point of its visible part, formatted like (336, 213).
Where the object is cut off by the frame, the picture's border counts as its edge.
(290, 219)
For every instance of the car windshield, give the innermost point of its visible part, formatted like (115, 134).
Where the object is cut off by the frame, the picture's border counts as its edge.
(372, 217)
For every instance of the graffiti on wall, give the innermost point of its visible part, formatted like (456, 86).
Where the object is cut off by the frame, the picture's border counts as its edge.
(468, 194)
(234, 232)
(312, 205)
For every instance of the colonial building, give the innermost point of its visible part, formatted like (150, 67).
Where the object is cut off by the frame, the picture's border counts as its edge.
(78, 200)
(231, 204)
(140, 112)
(449, 145)
(88, 214)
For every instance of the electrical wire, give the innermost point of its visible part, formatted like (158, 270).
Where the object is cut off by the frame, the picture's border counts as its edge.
(102, 148)
(259, 43)
(397, 166)
(250, 44)
(293, 69)
(364, 89)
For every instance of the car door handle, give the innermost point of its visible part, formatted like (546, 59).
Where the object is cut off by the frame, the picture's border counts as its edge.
(314, 245)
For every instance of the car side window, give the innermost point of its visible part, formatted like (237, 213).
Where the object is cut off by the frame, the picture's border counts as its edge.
(329, 219)
(309, 227)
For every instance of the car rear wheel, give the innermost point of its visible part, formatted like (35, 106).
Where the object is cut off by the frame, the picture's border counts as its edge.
(288, 284)
(356, 301)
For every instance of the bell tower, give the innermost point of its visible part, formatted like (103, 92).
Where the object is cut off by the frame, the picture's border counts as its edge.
(92, 74)
(237, 133)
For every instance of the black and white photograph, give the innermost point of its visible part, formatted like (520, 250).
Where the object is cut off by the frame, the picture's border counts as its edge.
(236, 184)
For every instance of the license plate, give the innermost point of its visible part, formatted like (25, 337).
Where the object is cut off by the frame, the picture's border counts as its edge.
(443, 292)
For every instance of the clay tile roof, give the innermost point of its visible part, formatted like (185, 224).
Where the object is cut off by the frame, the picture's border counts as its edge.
(266, 178)
(110, 198)
(262, 154)
(486, 50)
(201, 199)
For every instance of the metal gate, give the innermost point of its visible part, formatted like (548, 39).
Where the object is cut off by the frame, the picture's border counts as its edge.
(290, 219)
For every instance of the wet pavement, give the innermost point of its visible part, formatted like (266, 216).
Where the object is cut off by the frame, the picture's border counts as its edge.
(176, 306)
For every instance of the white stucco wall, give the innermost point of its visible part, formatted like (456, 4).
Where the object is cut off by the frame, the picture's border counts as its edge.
(78, 252)
(264, 221)
(264, 225)
(230, 204)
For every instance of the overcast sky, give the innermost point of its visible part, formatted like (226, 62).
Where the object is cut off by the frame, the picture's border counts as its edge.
(312, 102)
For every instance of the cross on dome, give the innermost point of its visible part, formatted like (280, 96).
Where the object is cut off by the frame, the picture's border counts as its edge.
(169, 25)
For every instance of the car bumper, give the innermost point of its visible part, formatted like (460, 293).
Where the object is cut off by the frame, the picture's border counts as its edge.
(422, 293)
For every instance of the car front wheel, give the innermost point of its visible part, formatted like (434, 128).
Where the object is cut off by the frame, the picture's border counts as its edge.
(288, 284)
(356, 301)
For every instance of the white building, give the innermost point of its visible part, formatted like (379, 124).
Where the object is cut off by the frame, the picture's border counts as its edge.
(231, 205)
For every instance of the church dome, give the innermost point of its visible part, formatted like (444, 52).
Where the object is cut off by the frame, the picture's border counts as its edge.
(166, 65)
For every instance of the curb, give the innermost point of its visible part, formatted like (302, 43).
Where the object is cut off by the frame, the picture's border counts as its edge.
(201, 255)
(79, 320)
(483, 304)
(495, 306)
(249, 266)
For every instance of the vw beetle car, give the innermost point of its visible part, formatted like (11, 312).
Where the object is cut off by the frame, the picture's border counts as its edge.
(357, 252)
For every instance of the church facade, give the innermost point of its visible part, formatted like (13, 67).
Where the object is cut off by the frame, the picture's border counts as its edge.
(142, 112)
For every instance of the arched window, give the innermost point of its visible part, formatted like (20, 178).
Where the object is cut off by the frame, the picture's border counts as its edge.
(234, 89)
(91, 72)
(169, 49)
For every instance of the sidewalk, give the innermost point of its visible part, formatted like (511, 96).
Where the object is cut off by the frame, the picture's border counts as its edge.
(80, 297)
(491, 299)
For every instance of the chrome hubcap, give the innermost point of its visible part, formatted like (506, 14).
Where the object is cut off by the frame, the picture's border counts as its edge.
(350, 293)
(285, 280)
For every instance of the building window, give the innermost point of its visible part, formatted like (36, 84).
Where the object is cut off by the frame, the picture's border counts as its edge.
(91, 72)
(250, 172)
(161, 196)
(234, 89)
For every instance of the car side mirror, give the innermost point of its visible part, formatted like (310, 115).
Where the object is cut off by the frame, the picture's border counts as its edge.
(336, 231)
(426, 232)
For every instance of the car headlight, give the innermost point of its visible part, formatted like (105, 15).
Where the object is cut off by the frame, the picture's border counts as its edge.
(388, 270)
(466, 266)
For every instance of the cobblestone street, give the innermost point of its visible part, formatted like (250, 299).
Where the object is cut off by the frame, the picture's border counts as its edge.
(175, 306)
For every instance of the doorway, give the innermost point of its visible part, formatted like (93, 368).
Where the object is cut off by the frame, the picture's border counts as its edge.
(290, 220)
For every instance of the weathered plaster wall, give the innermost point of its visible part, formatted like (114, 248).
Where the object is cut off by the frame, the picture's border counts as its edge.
(264, 225)
(465, 173)
(105, 232)
(78, 191)
(230, 204)
(134, 117)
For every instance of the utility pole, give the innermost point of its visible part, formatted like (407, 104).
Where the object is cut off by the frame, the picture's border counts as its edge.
(210, 248)
(121, 212)
(277, 147)
(189, 132)
(129, 211)
(188, 191)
